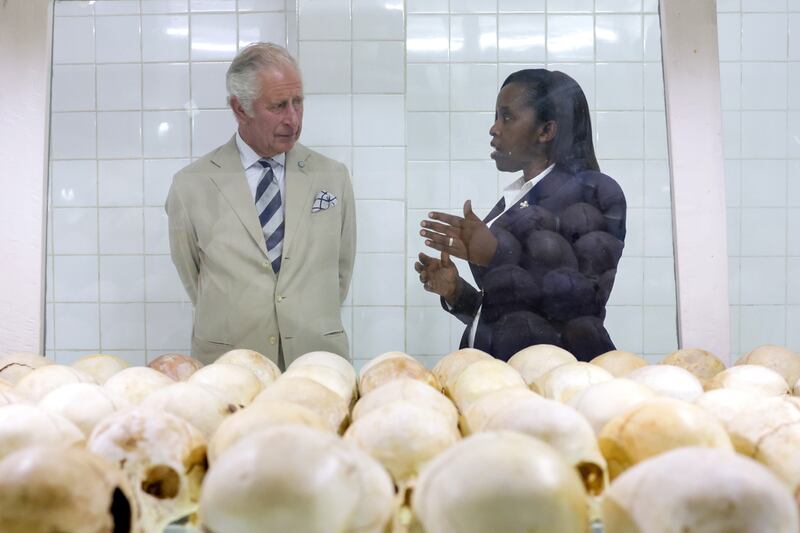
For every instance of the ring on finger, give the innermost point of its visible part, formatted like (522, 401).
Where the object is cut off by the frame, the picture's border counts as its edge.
(450, 242)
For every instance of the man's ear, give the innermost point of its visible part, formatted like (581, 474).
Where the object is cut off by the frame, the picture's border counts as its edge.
(238, 110)
(547, 131)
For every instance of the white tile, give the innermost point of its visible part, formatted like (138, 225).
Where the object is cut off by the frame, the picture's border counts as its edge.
(428, 184)
(213, 37)
(514, 6)
(378, 66)
(427, 38)
(763, 182)
(729, 31)
(117, 39)
(122, 326)
(473, 6)
(119, 87)
(378, 120)
(734, 223)
(73, 40)
(733, 182)
(378, 173)
(292, 36)
(72, 136)
(342, 154)
(164, 6)
(326, 66)
(731, 134)
(427, 331)
(762, 324)
(620, 86)
(793, 22)
(763, 231)
(794, 5)
(628, 282)
(655, 135)
(377, 330)
(165, 38)
(75, 230)
(120, 182)
(652, 38)
(381, 225)
(116, 7)
(210, 129)
(169, 326)
(121, 230)
(379, 279)
(571, 6)
(582, 73)
(624, 326)
(619, 38)
(378, 19)
(427, 87)
(473, 38)
(165, 85)
(469, 137)
(156, 231)
(76, 326)
(657, 184)
(208, 85)
(658, 232)
(659, 281)
(734, 281)
(521, 37)
(473, 180)
(73, 88)
(327, 120)
(634, 231)
(261, 5)
(793, 240)
(617, 134)
(428, 136)
(75, 278)
(212, 5)
(793, 280)
(728, 6)
(763, 280)
(49, 323)
(324, 19)
(630, 175)
(158, 177)
(162, 283)
(792, 326)
(427, 6)
(764, 5)
(764, 37)
(618, 6)
(74, 8)
(764, 85)
(121, 278)
(74, 183)
(165, 133)
(119, 134)
(731, 85)
(570, 38)
(473, 87)
(660, 329)
(793, 189)
(262, 27)
(793, 134)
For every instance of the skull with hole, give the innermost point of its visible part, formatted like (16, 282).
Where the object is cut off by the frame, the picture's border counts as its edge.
(702, 364)
(330, 407)
(84, 404)
(100, 366)
(162, 456)
(15, 366)
(136, 383)
(41, 381)
(755, 378)
(262, 366)
(619, 363)
(23, 425)
(177, 366)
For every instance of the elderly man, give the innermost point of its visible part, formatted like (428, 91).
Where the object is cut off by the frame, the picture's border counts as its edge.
(262, 229)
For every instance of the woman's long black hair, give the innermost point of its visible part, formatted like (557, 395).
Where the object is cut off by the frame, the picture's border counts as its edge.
(557, 97)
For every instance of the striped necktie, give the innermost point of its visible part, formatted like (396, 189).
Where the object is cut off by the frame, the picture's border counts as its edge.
(270, 214)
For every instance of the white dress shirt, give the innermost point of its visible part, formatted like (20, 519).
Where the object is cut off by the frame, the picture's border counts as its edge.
(511, 194)
(253, 170)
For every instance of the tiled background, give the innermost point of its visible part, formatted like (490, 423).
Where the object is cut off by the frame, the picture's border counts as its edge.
(402, 92)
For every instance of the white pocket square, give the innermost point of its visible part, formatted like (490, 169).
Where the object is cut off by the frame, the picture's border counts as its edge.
(323, 201)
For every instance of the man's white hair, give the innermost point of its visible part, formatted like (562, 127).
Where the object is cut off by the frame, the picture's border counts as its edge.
(242, 77)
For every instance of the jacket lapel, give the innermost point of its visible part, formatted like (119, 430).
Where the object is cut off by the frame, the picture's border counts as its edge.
(297, 205)
(232, 183)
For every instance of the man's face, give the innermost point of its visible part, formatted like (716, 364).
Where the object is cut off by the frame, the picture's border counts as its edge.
(277, 115)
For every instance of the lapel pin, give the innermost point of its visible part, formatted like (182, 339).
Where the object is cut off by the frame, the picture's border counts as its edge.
(301, 164)
(523, 204)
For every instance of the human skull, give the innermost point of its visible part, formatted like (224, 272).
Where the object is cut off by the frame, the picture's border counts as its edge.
(537, 360)
(754, 422)
(406, 390)
(394, 368)
(601, 402)
(23, 425)
(100, 366)
(294, 478)
(330, 407)
(782, 360)
(778, 451)
(670, 381)
(619, 363)
(483, 377)
(177, 366)
(202, 406)
(83, 404)
(702, 364)
(327, 376)
(481, 410)
(9, 396)
(726, 404)
(700, 490)
(449, 367)
(237, 383)
(265, 370)
(135, 383)
(500, 481)
(380, 359)
(51, 488)
(656, 426)
(336, 362)
(755, 378)
(564, 381)
(162, 456)
(38, 383)
(15, 366)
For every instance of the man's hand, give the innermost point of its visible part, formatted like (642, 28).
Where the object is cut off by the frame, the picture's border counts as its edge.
(467, 238)
(439, 276)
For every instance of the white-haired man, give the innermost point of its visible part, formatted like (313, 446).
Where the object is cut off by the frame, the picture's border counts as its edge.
(262, 229)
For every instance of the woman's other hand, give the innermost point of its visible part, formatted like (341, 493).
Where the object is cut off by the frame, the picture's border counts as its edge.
(467, 238)
(439, 276)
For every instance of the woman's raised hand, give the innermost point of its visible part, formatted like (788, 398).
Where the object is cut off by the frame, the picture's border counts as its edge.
(439, 276)
(466, 237)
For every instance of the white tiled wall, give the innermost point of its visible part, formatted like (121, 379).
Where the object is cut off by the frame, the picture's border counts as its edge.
(760, 69)
(400, 91)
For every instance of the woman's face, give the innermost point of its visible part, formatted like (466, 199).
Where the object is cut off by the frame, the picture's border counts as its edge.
(518, 138)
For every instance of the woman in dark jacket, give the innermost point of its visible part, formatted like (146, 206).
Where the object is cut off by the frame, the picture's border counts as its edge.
(545, 257)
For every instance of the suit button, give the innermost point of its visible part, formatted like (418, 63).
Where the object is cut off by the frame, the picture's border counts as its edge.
(272, 339)
(265, 264)
(280, 299)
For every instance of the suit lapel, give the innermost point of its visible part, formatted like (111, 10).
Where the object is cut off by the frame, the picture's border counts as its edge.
(298, 199)
(232, 183)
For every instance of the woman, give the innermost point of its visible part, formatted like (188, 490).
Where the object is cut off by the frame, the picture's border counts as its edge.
(545, 257)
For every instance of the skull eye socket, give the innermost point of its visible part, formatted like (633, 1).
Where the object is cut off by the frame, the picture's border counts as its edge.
(592, 476)
(120, 512)
(161, 482)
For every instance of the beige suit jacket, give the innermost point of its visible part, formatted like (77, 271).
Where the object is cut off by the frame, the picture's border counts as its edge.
(218, 247)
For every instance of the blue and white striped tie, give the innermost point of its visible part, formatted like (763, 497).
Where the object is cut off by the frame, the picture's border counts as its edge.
(268, 207)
